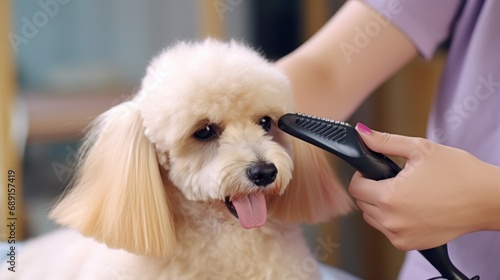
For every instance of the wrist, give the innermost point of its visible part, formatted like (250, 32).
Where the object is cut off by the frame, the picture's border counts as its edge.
(491, 199)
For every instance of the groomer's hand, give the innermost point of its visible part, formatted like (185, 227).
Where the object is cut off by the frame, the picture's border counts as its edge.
(440, 194)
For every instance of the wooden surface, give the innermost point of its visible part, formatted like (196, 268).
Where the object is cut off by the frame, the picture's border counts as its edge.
(211, 18)
(64, 117)
(8, 146)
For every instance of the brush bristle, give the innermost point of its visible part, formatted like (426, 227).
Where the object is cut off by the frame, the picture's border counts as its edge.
(331, 130)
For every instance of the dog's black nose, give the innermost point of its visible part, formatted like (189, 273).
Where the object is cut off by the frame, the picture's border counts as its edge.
(262, 174)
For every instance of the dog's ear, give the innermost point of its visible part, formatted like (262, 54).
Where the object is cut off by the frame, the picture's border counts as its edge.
(118, 197)
(314, 193)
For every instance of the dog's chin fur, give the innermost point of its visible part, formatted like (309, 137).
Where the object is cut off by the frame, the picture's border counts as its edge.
(151, 190)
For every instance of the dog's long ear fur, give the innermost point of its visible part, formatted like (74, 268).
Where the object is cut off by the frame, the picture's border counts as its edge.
(118, 197)
(314, 193)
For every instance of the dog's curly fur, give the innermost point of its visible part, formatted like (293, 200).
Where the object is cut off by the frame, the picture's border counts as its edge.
(158, 175)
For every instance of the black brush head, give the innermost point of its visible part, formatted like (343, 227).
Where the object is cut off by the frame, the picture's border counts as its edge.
(333, 131)
(332, 136)
(340, 139)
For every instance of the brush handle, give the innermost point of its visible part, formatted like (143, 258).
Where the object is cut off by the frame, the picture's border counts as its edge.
(440, 259)
(373, 165)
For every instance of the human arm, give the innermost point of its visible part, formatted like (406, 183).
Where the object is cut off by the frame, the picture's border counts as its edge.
(440, 194)
(326, 80)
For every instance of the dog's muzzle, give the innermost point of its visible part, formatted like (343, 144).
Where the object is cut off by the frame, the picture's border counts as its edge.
(262, 174)
(251, 209)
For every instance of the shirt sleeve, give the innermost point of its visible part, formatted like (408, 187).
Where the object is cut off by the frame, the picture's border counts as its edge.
(427, 23)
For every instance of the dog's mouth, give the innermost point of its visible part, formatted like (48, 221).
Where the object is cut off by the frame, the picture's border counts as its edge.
(230, 207)
(250, 210)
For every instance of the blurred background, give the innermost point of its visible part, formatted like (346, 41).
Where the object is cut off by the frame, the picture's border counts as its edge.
(63, 62)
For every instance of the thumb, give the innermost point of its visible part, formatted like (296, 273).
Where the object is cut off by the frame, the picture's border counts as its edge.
(385, 143)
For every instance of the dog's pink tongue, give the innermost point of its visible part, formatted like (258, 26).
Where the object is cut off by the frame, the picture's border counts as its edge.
(251, 209)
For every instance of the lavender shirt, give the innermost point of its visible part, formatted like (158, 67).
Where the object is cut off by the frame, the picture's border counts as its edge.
(466, 111)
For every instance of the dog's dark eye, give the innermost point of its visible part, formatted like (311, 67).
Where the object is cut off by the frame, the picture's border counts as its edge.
(265, 122)
(206, 133)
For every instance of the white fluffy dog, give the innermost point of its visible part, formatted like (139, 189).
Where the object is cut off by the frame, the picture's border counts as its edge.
(191, 179)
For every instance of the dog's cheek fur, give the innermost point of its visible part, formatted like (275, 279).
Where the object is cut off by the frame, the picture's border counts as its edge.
(197, 185)
(201, 174)
(186, 170)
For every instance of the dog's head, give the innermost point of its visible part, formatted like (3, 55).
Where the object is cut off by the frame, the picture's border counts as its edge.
(211, 117)
(205, 116)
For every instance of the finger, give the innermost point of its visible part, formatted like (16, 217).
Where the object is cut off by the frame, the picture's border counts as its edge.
(376, 225)
(364, 189)
(391, 236)
(386, 143)
(374, 212)
(369, 209)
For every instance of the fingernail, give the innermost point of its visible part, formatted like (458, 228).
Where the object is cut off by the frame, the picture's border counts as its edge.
(363, 128)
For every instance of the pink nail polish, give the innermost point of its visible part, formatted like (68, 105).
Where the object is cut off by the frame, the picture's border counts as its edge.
(363, 128)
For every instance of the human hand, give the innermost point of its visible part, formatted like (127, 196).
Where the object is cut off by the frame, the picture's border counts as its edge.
(440, 194)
